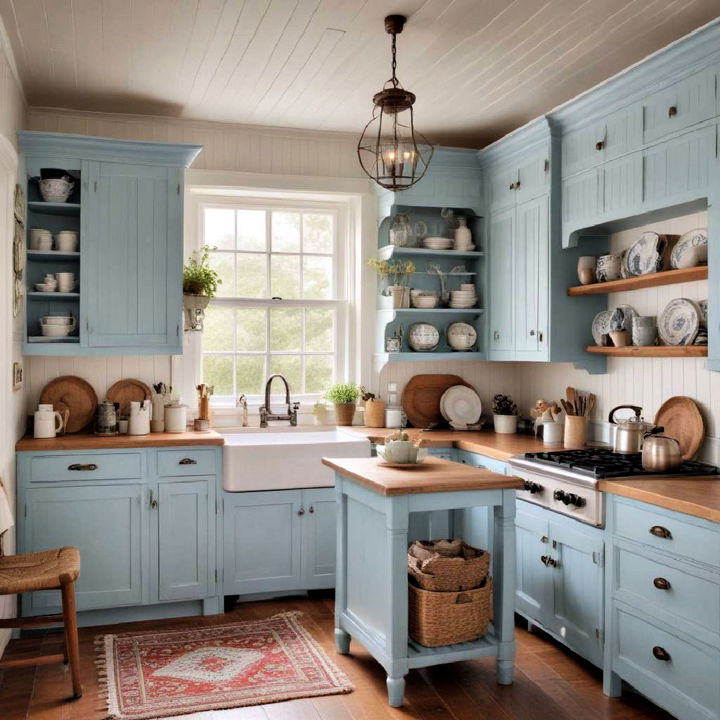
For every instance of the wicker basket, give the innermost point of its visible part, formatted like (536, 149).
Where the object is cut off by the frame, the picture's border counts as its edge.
(447, 565)
(446, 618)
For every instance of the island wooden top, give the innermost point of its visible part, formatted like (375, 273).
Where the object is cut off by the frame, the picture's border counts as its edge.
(88, 441)
(693, 496)
(485, 442)
(432, 476)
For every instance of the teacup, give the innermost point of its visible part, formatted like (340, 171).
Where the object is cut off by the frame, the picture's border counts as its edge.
(608, 268)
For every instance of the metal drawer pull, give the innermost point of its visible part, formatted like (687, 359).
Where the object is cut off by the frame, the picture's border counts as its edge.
(301, 511)
(549, 561)
(83, 468)
(153, 501)
(661, 653)
(187, 461)
(661, 583)
(311, 509)
(661, 532)
(672, 111)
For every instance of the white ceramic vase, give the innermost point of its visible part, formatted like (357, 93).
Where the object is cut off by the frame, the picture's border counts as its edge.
(505, 424)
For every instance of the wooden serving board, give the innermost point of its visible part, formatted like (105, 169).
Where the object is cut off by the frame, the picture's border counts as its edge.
(421, 398)
(75, 395)
(126, 391)
(681, 418)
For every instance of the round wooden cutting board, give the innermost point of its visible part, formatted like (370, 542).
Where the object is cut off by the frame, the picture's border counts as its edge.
(681, 418)
(421, 398)
(75, 395)
(126, 391)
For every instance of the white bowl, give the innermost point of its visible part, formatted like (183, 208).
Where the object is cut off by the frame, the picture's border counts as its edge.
(56, 330)
(57, 320)
(45, 287)
(55, 190)
(427, 303)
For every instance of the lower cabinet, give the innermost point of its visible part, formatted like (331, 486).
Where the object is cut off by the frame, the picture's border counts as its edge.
(559, 577)
(279, 540)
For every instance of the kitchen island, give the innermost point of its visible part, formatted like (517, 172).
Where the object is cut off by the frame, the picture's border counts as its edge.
(371, 599)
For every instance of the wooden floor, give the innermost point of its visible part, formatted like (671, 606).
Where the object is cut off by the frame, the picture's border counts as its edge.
(550, 682)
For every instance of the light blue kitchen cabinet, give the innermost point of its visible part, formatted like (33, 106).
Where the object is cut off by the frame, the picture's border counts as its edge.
(533, 175)
(319, 539)
(500, 284)
(134, 218)
(128, 209)
(582, 199)
(622, 185)
(181, 509)
(106, 523)
(661, 607)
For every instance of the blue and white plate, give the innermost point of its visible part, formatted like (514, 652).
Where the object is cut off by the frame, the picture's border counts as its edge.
(679, 322)
(646, 255)
(601, 326)
(691, 249)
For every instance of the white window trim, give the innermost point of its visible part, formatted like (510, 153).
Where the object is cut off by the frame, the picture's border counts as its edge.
(358, 206)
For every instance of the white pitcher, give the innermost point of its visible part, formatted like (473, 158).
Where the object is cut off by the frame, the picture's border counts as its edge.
(46, 422)
(139, 418)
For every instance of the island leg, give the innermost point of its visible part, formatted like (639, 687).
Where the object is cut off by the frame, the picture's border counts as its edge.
(504, 586)
(396, 691)
(342, 642)
(342, 638)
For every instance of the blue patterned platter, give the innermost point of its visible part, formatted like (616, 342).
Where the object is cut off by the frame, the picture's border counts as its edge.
(679, 322)
(691, 249)
(646, 255)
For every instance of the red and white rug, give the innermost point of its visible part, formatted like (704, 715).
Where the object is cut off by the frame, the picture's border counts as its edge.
(159, 674)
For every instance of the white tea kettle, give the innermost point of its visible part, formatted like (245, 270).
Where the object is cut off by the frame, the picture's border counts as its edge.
(139, 418)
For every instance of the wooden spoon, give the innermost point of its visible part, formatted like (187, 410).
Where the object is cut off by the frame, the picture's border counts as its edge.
(572, 398)
(569, 409)
(591, 403)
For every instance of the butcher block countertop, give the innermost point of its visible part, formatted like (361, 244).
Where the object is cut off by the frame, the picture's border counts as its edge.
(693, 496)
(432, 476)
(484, 442)
(88, 441)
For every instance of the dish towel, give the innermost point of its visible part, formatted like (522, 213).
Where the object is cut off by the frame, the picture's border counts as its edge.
(7, 519)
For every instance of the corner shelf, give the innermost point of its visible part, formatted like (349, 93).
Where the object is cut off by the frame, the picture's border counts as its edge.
(434, 311)
(666, 277)
(51, 255)
(51, 208)
(388, 251)
(38, 339)
(650, 350)
(53, 296)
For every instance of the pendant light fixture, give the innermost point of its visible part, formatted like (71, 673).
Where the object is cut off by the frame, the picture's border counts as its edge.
(390, 150)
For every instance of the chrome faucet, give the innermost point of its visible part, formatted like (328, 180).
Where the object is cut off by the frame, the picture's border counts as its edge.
(266, 414)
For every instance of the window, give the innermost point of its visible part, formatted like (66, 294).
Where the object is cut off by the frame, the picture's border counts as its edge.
(282, 305)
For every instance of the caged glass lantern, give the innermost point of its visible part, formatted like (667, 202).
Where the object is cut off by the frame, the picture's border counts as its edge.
(391, 151)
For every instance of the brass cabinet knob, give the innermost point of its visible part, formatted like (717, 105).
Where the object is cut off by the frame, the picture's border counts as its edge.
(599, 145)
(672, 111)
(661, 583)
(661, 532)
(661, 653)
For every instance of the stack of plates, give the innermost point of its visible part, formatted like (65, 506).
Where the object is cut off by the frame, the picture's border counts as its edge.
(460, 299)
(460, 406)
(437, 243)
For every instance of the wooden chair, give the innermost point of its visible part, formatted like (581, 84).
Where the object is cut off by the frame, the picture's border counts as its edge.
(48, 570)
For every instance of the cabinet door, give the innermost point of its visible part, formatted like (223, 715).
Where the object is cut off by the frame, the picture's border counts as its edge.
(183, 543)
(582, 199)
(533, 176)
(107, 524)
(501, 181)
(319, 539)
(580, 148)
(132, 270)
(530, 269)
(622, 186)
(262, 541)
(533, 590)
(577, 607)
(500, 244)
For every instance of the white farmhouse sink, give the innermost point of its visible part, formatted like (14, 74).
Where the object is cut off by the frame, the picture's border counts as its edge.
(255, 459)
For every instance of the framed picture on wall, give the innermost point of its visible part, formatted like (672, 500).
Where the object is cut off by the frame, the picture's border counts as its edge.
(17, 375)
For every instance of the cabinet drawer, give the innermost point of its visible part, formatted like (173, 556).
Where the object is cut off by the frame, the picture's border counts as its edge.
(692, 596)
(186, 462)
(96, 466)
(670, 532)
(677, 682)
(679, 106)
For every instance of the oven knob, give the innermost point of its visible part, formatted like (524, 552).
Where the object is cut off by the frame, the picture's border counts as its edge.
(560, 496)
(575, 500)
(533, 487)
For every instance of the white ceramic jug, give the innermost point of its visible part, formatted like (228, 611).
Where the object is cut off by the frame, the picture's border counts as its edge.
(139, 418)
(46, 422)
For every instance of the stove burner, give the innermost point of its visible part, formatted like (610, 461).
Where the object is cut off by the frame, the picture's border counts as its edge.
(604, 463)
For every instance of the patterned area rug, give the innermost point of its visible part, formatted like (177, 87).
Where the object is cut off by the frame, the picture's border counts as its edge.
(159, 674)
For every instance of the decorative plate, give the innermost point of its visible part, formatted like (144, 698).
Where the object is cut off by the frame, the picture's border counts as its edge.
(646, 255)
(601, 326)
(461, 336)
(462, 405)
(679, 322)
(625, 313)
(703, 305)
(624, 269)
(690, 250)
(423, 337)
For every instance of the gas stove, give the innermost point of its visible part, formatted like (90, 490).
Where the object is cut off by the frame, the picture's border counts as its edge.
(566, 480)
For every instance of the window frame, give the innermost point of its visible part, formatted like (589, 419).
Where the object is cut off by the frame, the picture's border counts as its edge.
(342, 285)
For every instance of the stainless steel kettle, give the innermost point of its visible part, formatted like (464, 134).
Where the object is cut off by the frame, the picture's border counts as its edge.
(106, 418)
(661, 453)
(629, 433)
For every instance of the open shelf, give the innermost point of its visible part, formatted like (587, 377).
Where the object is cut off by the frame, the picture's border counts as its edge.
(436, 311)
(53, 296)
(51, 255)
(50, 208)
(650, 350)
(420, 356)
(667, 277)
(388, 251)
(42, 339)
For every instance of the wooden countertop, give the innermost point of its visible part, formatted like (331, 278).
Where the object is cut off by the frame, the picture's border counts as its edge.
(485, 442)
(87, 441)
(433, 475)
(693, 496)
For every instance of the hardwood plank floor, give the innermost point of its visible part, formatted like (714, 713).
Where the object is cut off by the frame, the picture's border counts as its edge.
(551, 683)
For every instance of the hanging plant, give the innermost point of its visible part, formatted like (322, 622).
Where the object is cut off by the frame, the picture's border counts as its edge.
(200, 284)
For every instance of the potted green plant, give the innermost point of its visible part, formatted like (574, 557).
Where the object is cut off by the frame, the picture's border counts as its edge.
(397, 276)
(200, 284)
(505, 414)
(344, 397)
(319, 412)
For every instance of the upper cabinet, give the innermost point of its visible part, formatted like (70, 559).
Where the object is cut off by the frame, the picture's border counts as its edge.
(125, 274)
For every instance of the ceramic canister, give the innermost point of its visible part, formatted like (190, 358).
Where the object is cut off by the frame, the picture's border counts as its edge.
(139, 418)
(175, 418)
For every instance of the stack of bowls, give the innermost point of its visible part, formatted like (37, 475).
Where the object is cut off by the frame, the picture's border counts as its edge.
(437, 243)
(465, 297)
(40, 239)
(57, 325)
(56, 190)
(66, 241)
(424, 299)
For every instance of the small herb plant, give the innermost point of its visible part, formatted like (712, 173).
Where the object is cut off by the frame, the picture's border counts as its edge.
(366, 395)
(503, 405)
(397, 273)
(198, 277)
(342, 393)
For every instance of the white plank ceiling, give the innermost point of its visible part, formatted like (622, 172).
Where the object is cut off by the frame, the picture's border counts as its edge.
(480, 68)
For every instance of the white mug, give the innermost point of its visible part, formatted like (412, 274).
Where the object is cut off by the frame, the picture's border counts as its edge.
(47, 424)
(66, 282)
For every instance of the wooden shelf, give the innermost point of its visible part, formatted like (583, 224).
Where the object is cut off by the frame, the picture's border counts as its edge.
(50, 208)
(43, 339)
(53, 295)
(650, 351)
(667, 277)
